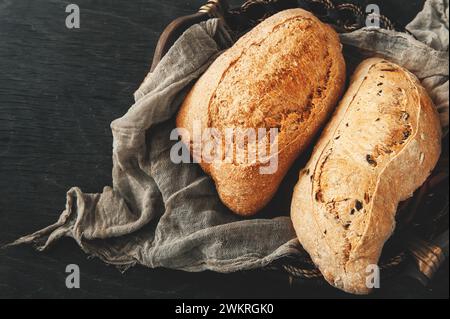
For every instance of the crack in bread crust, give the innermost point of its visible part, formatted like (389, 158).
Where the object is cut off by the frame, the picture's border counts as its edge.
(380, 146)
(252, 92)
(286, 73)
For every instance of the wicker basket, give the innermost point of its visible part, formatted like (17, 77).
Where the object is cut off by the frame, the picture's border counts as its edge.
(421, 239)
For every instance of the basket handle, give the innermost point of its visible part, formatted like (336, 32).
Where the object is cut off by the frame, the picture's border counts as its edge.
(344, 17)
(213, 8)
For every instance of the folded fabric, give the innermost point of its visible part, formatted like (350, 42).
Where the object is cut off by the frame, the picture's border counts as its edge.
(424, 52)
(161, 214)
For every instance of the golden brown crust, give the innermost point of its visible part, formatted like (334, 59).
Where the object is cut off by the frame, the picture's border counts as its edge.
(380, 146)
(287, 73)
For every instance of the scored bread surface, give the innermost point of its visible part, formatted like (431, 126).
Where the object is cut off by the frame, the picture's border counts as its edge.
(380, 146)
(286, 73)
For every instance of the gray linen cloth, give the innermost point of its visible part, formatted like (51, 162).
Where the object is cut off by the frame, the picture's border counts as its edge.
(424, 52)
(161, 214)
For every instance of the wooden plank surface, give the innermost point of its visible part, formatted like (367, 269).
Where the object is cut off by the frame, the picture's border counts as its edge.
(59, 90)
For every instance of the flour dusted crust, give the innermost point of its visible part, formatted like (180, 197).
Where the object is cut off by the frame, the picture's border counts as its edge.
(287, 73)
(381, 145)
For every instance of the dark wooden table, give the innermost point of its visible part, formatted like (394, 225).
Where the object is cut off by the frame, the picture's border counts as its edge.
(59, 91)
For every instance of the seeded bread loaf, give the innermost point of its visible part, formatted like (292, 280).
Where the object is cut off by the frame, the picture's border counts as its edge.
(287, 73)
(380, 146)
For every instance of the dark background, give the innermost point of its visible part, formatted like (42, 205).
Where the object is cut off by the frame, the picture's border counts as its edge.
(59, 91)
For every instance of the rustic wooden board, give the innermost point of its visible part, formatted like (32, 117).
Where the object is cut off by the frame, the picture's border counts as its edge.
(59, 90)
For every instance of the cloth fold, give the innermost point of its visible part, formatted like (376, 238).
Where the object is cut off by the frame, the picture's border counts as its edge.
(161, 214)
(424, 52)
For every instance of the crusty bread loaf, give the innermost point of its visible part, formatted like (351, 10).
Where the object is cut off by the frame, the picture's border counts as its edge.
(380, 146)
(287, 73)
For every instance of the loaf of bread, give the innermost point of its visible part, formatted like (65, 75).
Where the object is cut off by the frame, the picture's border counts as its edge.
(381, 145)
(287, 73)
